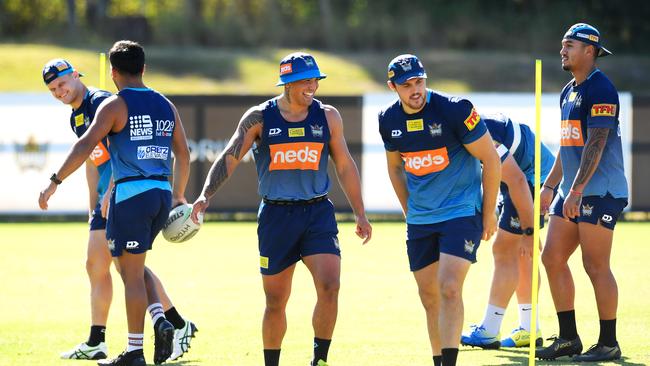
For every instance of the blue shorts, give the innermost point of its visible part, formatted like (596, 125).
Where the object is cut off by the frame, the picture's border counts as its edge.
(508, 218)
(134, 223)
(459, 237)
(594, 210)
(97, 222)
(287, 233)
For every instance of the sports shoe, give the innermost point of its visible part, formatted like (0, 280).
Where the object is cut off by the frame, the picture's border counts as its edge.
(479, 337)
(163, 341)
(182, 339)
(83, 351)
(319, 363)
(133, 358)
(560, 347)
(599, 352)
(520, 337)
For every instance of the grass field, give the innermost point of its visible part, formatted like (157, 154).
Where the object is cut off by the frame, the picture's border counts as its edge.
(214, 281)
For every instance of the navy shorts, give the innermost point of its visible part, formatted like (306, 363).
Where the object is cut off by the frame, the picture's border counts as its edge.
(594, 210)
(134, 223)
(459, 237)
(508, 217)
(97, 222)
(287, 233)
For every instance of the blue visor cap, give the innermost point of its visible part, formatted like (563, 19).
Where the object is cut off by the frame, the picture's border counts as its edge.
(298, 66)
(405, 67)
(55, 68)
(583, 32)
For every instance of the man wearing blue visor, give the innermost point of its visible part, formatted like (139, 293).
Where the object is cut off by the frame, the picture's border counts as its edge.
(293, 136)
(589, 177)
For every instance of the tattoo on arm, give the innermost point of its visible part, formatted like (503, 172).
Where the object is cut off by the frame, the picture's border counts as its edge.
(219, 171)
(591, 154)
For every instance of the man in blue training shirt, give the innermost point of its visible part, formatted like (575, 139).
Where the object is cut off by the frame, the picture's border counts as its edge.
(65, 84)
(591, 195)
(143, 128)
(292, 137)
(435, 145)
(512, 248)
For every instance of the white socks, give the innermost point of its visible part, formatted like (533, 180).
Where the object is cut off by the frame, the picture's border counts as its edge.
(156, 311)
(135, 342)
(524, 316)
(493, 318)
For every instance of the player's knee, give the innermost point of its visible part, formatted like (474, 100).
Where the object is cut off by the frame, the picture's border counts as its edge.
(549, 259)
(96, 268)
(450, 289)
(595, 268)
(276, 301)
(429, 298)
(329, 287)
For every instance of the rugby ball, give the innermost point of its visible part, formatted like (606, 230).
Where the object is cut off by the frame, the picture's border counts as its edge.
(179, 226)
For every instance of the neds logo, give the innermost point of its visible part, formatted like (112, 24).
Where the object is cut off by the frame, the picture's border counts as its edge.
(571, 133)
(295, 156)
(425, 162)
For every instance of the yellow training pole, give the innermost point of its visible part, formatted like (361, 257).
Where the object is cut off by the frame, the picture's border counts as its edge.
(102, 71)
(536, 210)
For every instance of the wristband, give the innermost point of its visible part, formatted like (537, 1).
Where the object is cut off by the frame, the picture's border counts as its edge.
(55, 179)
(575, 192)
(549, 187)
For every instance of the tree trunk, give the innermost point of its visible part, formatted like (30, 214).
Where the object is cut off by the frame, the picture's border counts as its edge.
(72, 16)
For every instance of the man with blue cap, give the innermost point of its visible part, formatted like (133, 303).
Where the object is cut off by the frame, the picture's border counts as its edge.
(64, 82)
(435, 145)
(292, 137)
(589, 177)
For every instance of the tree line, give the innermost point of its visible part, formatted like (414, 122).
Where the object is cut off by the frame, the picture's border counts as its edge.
(511, 25)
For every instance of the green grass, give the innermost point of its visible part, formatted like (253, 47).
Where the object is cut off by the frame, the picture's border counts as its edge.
(214, 281)
(193, 70)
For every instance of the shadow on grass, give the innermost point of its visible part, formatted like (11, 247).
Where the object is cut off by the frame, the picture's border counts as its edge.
(519, 357)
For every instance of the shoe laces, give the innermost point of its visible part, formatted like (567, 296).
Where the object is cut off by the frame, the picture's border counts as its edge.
(553, 338)
(593, 348)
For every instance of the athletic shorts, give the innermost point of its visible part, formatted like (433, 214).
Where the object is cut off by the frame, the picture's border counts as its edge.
(134, 223)
(97, 222)
(287, 233)
(508, 218)
(459, 237)
(594, 210)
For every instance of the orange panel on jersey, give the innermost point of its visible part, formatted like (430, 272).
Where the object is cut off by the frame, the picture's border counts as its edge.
(296, 156)
(425, 162)
(571, 133)
(100, 154)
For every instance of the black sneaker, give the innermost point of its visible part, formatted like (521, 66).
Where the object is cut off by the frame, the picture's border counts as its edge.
(163, 341)
(133, 358)
(560, 347)
(599, 352)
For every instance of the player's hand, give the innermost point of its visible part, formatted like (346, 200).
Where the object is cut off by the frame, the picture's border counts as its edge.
(198, 207)
(545, 199)
(489, 225)
(177, 201)
(571, 208)
(364, 229)
(45, 195)
(106, 202)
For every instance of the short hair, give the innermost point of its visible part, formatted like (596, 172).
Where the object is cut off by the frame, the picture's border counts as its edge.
(127, 57)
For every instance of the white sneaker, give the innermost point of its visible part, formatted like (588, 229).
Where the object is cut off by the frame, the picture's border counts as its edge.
(182, 339)
(85, 352)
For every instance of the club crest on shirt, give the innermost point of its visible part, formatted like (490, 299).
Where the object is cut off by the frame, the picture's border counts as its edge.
(514, 222)
(587, 210)
(435, 129)
(316, 130)
(469, 246)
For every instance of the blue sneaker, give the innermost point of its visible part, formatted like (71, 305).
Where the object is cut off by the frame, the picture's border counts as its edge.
(520, 337)
(478, 337)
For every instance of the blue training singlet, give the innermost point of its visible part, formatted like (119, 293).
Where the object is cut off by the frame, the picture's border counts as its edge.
(291, 157)
(592, 104)
(518, 140)
(80, 121)
(142, 149)
(443, 179)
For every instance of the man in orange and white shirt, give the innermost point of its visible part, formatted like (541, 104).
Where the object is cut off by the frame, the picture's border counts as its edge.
(292, 137)
(435, 145)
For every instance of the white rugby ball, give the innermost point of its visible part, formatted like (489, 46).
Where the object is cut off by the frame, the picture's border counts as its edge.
(179, 226)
